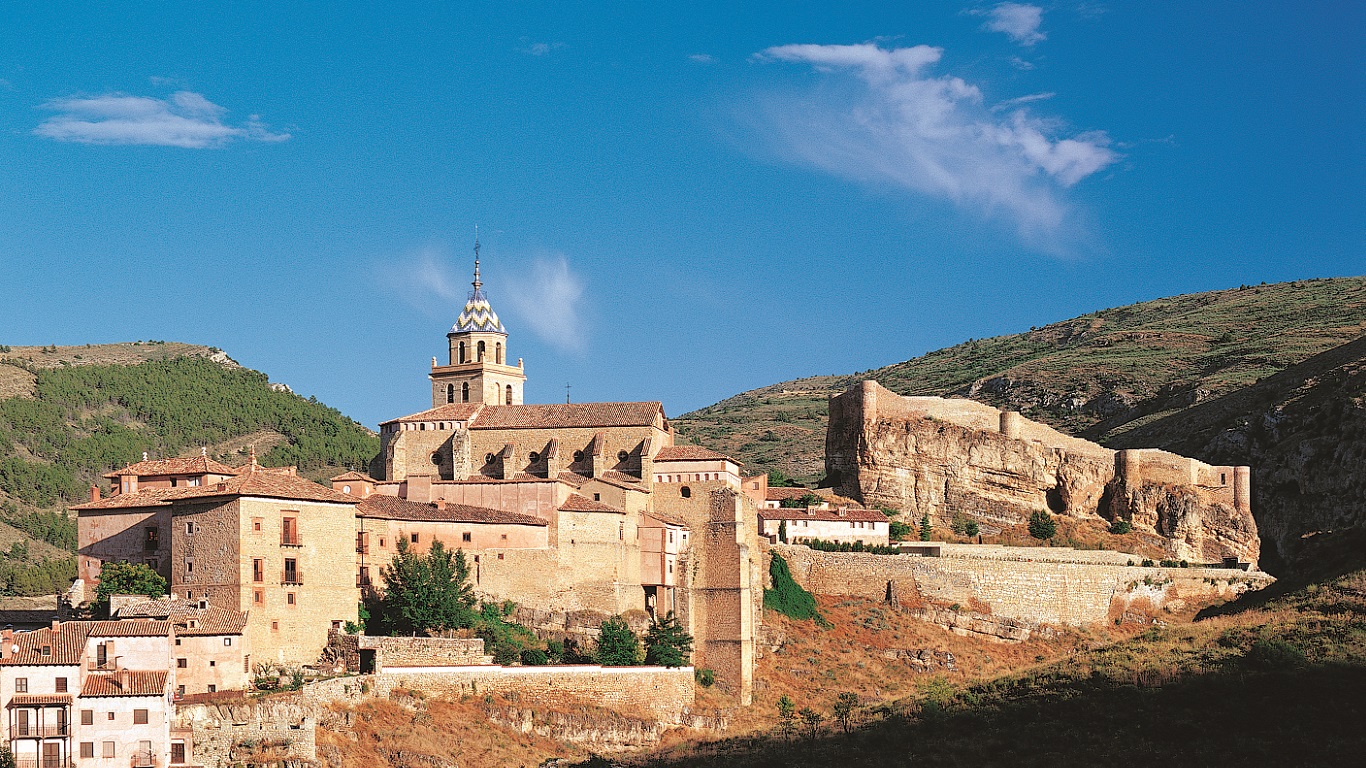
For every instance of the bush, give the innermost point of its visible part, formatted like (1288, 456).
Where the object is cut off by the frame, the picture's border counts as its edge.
(900, 531)
(667, 644)
(1041, 525)
(535, 657)
(618, 646)
(926, 530)
(1275, 653)
(1121, 527)
(971, 529)
(787, 596)
(127, 579)
(704, 677)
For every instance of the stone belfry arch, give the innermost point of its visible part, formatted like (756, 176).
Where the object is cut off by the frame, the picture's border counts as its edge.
(477, 369)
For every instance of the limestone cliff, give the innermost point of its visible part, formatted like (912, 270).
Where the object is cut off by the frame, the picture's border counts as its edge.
(936, 456)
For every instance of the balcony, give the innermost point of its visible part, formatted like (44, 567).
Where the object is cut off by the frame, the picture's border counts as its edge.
(30, 730)
(292, 577)
(288, 539)
(143, 758)
(43, 762)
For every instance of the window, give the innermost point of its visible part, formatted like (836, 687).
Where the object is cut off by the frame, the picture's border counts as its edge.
(465, 537)
(194, 481)
(686, 491)
(61, 685)
(139, 717)
(504, 537)
(182, 663)
(381, 542)
(498, 355)
(275, 626)
(152, 540)
(21, 685)
(258, 596)
(110, 715)
(413, 538)
(509, 395)
(213, 688)
(87, 717)
(258, 570)
(465, 392)
(246, 664)
(177, 752)
(189, 529)
(621, 531)
(462, 352)
(227, 641)
(450, 393)
(436, 458)
(189, 569)
(179, 691)
(481, 352)
(109, 747)
(256, 524)
(623, 455)
(289, 532)
(88, 748)
(292, 575)
(597, 497)
(1223, 478)
(289, 598)
(177, 640)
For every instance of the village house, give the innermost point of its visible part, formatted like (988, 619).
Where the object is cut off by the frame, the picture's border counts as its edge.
(840, 525)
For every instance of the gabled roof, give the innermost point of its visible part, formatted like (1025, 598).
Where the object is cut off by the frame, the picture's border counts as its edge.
(353, 475)
(383, 507)
(690, 453)
(447, 412)
(783, 493)
(856, 514)
(577, 503)
(125, 682)
(568, 415)
(255, 481)
(610, 477)
(668, 518)
(66, 645)
(194, 465)
(212, 620)
(130, 628)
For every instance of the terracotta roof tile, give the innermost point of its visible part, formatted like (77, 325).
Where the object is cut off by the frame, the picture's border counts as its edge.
(448, 412)
(130, 628)
(65, 646)
(127, 682)
(38, 699)
(622, 480)
(194, 465)
(212, 620)
(384, 507)
(568, 415)
(667, 518)
(690, 453)
(856, 514)
(784, 493)
(577, 503)
(253, 482)
(354, 476)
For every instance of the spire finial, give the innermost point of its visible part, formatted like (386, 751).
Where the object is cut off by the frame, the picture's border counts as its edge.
(477, 283)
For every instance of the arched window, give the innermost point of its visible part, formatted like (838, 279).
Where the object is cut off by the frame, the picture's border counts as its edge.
(481, 352)
(509, 395)
(687, 492)
(462, 351)
(450, 393)
(498, 353)
(465, 392)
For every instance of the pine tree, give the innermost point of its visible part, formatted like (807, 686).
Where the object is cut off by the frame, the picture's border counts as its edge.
(926, 530)
(667, 644)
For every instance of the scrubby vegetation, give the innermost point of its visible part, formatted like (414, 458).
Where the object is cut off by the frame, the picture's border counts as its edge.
(787, 596)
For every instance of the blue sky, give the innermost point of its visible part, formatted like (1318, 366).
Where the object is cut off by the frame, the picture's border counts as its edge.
(675, 203)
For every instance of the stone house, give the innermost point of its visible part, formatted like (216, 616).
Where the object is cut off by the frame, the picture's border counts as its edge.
(840, 524)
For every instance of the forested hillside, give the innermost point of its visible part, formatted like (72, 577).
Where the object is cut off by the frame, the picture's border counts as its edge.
(70, 414)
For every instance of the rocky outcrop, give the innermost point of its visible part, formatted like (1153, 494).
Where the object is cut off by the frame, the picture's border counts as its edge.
(946, 457)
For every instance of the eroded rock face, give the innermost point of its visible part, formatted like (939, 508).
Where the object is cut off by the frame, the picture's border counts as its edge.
(941, 457)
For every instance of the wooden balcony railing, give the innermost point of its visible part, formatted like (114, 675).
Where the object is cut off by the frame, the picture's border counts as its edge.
(295, 576)
(32, 730)
(143, 758)
(291, 540)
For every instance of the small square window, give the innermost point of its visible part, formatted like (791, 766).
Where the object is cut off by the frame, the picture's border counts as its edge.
(256, 524)
(504, 537)
(213, 688)
(212, 663)
(275, 626)
(227, 641)
(500, 555)
(47, 650)
(466, 536)
(139, 717)
(109, 749)
(182, 663)
(414, 538)
(88, 718)
(61, 685)
(110, 716)
(88, 748)
(258, 596)
(21, 685)
(597, 497)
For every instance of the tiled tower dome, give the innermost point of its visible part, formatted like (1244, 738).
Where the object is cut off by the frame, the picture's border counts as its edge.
(478, 315)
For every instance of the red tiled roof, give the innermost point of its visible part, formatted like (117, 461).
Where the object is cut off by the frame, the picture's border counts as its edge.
(194, 465)
(577, 503)
(856, 514)
(521, 477)
(66, 645)
(385, 507)
(448, 412)
(567, 415)
(181, 612)
(130, 628)
(668, 518)
(690, 453)
(125, 682)
(621, 480)
(354, 476)
(783, 493)
(253, 482)
(38, 699)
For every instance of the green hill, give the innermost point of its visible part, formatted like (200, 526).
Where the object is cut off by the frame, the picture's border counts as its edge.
(70, 414)
(1098, 376)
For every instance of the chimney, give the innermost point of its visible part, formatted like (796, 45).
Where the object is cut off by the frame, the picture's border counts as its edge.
(56, 625)
(440, 504)
(121, 675)
(6, 641)
(94, 493)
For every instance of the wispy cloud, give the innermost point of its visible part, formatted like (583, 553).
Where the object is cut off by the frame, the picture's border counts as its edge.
(1020, 22)
(896, 124)
(540, 49)
(1022, 100)
(187, 119)
(542, 294)
(702, 58)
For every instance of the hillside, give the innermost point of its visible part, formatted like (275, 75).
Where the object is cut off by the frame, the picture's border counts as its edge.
(70, 414)
(1275, 684)
(1096, 376)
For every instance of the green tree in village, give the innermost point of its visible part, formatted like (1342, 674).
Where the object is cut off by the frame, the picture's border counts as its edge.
(667, 644)
(427, 592)
(618, 646)
(1041, 525)
(926, 530)
(127, 579)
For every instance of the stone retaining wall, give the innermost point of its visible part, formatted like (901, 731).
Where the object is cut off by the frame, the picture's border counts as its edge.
(228, 735)
(1043, 592)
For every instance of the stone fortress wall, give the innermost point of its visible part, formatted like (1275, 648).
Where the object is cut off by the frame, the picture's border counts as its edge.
(1035, 584)
(944, 457)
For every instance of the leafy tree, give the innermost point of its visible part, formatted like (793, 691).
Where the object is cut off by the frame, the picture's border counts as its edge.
(779, 479)
(6, 756)
(812, 719)
(667, 644)
(1041, 525)
(430, 592)
(127, 579)
(899, 531)
(618, 646)
(926, 530)
(971, 529)
(787, 716)
(845, 704)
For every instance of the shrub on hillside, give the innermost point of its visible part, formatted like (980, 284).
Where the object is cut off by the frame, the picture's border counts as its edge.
(1120, 527)
(618, 646)
(1041, 525)
(127, 579)
(787, 596)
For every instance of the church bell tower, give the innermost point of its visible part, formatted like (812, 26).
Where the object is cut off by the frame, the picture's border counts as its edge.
(478, 371)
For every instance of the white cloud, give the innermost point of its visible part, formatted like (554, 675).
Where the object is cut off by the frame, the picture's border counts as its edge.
(541, 294)
(1021, 100)
(701, 58)
(187, 120)
(903, 127)
(541, 49)
(1020, 22)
